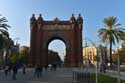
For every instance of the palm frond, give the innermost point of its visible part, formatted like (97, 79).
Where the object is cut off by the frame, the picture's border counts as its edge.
(4, 33)
(3, 23)
(117, 25)
(3, 20)
(4, 26)
(113, 40)
(111, 21)
(103, 35)
(116, 37)
(101, 31)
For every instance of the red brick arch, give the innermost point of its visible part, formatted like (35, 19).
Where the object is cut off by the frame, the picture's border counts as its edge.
(43, 32)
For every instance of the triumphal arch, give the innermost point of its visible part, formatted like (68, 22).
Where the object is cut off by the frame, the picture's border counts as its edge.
(42, 32)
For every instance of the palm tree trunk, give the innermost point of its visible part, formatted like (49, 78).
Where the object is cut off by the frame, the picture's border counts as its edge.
(111, 53)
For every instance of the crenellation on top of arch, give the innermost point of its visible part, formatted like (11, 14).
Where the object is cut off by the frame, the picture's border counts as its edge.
(72, 20)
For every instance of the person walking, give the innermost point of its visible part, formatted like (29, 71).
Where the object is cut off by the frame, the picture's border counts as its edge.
(104, 67)
(9, 69)
(15, 70)
(6, 70)
(36, 73)
(40, 71)
(24, 69)
(54, 67)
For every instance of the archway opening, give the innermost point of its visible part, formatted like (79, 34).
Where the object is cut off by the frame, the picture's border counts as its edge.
(56, 52)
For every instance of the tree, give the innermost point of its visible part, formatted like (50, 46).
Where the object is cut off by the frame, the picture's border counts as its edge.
(123, 43)
(14, 58)
(111, 33)
(4, 35)
(53, 57)
(23, 56)
(122, 54)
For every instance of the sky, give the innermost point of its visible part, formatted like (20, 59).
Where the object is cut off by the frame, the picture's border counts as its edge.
(58, 46)
(18, 13)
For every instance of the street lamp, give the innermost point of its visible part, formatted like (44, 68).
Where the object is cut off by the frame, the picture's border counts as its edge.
(89, 57)
(97, 56)
(118, 66)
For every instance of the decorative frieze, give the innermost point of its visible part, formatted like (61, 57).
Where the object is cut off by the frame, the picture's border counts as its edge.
(56, 27)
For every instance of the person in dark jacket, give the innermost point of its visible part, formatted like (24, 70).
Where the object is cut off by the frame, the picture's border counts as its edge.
(40, 70)
(15, 70)
(24, 69)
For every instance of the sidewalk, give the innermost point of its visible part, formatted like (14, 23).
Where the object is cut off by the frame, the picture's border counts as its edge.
(59, 76)
(115, 74)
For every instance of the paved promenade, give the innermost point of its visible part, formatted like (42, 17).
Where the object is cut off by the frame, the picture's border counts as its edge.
(63, 75)
(59, 76)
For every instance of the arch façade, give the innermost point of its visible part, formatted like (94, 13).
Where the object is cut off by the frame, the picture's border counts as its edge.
(43, 32)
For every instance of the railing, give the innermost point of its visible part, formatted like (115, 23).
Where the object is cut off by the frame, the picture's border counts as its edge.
(82, 77)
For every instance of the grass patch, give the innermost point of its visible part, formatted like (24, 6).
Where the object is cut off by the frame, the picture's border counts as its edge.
(122, 69)
(105, 79)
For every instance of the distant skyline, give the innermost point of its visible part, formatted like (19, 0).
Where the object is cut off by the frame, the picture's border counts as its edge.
(18, 13)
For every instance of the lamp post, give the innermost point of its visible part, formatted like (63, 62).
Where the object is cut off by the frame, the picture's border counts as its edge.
(97, 56)
(88, 57)
(96, 66)
(118, 67)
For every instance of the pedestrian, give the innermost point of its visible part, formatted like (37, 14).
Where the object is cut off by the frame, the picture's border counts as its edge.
(40, 71)
(6, 70)
(104, 67)
(54, 67)
(9, 69)
(24, 69)
(15, 70)
(36, 73)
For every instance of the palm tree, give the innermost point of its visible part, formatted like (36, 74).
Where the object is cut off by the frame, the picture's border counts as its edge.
(4, 35)
(111, 33)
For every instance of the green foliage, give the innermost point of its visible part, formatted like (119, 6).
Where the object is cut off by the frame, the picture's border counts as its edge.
(121, 54)
(53, 57)
(14, 58)
(4, 27)
(23, 56)
(1, 42)
(0, 62)
(112, 33)
(4, 35)
(96, 58)
(3, 23)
